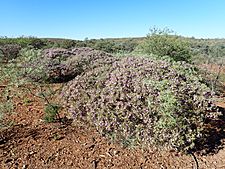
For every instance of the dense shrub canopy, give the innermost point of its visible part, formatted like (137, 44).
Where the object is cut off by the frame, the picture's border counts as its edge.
(137, 100)
(161, 43)
(61, 65)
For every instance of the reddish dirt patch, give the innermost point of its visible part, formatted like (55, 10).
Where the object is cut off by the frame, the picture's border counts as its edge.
(30, 143)
(214, 68)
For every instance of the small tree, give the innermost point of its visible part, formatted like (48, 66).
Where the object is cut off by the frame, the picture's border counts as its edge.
(163, 43)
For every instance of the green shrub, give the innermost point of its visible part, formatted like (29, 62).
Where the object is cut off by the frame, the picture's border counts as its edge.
(29, 69)
(51, 113)
(142, 101)
(160, 43)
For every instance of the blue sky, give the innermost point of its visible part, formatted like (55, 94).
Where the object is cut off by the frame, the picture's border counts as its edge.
(77, 19)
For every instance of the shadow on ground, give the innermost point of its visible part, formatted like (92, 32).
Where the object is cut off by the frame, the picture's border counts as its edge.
(15, 135)
(215, 135)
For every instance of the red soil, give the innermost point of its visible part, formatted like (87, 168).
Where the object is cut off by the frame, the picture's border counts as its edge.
(31, 143)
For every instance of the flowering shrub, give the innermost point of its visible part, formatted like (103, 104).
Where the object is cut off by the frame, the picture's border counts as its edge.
(142, 101)
(62, 65)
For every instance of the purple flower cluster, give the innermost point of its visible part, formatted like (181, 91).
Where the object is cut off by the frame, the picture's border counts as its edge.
(62, 65)
(146, 101)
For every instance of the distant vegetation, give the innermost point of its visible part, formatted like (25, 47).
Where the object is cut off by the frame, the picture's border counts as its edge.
(106, 45)
(157, 42)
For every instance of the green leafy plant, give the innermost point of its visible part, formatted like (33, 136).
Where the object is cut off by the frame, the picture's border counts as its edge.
(161, 43)
(51, 113)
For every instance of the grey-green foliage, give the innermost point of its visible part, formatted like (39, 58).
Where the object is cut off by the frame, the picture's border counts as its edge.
(169, 103)
(28, 65)
(12, 76)
(162, 43)
(9, 74)
(178, 105)
(143, 101)
(217, 54)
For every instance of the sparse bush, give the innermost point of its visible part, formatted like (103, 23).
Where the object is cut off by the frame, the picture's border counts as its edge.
(161, 43)
(29, 69)
(9, 81)
(142, 101)
(14, 86)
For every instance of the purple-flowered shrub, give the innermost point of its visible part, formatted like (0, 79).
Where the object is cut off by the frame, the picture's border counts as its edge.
(62, 65)
(142, 101)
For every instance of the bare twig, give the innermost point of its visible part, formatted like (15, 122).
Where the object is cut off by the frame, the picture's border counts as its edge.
(195, 159)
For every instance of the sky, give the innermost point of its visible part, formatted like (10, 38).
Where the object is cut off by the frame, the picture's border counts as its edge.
(93, 19)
